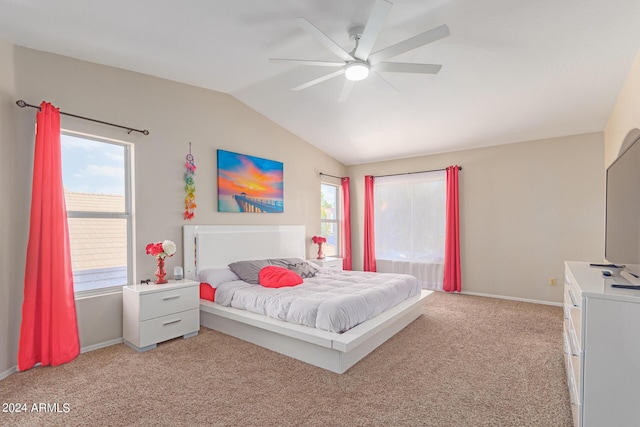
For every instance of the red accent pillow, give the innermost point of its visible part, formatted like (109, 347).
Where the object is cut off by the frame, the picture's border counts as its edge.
(278, 277)
(207, 292)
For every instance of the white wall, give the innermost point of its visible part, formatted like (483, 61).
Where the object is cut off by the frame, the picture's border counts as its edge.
(175, 114)
(524, 209)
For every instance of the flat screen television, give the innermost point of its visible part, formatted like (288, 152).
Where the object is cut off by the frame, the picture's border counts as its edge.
(622, 228)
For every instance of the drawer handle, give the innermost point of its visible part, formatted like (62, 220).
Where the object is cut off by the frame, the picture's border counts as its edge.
(171, 297)
(573, 344)
(573, 298)
(171, 322)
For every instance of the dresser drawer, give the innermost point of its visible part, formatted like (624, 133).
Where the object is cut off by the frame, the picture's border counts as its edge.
(567, 303)
(573, 310)
(573, 355)
(572, 367)
(159, 304)
(171, 326)
(574, 395)
(576, 322)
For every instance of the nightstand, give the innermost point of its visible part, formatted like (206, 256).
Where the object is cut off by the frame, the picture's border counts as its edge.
(155, 313)
(331, 263)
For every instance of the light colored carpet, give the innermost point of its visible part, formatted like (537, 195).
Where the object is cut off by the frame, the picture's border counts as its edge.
(467, 361)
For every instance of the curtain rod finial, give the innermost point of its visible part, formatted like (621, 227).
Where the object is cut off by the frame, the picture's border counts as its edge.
(20, 103)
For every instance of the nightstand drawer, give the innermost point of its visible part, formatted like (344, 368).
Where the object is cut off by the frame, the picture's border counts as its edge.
(334, 264)
(170, 326)
(159, 304)
(331, 263)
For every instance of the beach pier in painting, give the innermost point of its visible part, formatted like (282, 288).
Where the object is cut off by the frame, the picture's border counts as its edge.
(249, 184)
(251, 204)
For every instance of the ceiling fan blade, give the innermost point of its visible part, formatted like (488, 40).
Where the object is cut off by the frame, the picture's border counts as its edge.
(404, 67)
(324, 39)
(318, 80)
(346, 90)
(388, 83)
(308, 62)
(409, 44)
(372, 29)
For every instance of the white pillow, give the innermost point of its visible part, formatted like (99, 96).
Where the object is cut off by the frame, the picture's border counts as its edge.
(216, 276)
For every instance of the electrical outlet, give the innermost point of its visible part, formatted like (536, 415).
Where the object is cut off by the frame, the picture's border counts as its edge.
(552, 281)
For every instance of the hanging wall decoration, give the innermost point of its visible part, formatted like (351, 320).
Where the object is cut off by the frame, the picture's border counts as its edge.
(249, 184)
(190, 187)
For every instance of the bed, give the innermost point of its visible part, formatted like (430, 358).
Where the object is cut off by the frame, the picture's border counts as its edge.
(216, 246)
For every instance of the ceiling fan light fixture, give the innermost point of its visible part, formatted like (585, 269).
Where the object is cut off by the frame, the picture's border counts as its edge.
(357, 71)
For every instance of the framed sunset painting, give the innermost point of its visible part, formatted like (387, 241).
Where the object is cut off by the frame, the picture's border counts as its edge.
(249, 184)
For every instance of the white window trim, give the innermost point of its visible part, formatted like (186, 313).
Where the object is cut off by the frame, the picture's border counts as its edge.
(129, 207)
(338, 220)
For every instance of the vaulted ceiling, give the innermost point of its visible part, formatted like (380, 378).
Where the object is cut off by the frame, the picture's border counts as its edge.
(512, 70)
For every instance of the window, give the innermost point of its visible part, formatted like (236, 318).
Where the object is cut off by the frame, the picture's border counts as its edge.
(330, 218)
(96, 175)
(410, 217)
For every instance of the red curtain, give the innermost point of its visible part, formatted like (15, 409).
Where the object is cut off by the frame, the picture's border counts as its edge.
(369, 238)
(345, 241)
(452, 279)
(49, 330)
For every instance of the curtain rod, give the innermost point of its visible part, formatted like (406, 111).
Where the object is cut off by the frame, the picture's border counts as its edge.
(23, 104)
(410, 173)
(332, 176)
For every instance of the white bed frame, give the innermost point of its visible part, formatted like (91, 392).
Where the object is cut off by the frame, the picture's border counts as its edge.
(215, 246)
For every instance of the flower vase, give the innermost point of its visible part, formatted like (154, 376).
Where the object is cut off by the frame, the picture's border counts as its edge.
(320, 253)
(161, 272)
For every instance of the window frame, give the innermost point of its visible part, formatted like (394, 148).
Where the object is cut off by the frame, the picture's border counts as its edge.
(338, 220)
(127, 215)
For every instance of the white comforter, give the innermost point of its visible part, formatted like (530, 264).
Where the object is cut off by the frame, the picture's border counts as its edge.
(332, 301)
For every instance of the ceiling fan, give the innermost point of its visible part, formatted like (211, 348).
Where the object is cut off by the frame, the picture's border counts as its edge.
(358, 64)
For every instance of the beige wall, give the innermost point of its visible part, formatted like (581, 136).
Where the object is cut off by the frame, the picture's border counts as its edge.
(525, 208)
(625, 115)
(10, 265)
(175, 114)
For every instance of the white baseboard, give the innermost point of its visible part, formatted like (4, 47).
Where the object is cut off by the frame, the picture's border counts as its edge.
(8, 372)
(101, 345)
(534, 301)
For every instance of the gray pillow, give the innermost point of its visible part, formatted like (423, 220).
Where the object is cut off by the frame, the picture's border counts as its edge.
(300, 266)
(249, 270)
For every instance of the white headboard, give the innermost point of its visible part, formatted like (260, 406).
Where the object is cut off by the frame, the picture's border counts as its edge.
(216, 246)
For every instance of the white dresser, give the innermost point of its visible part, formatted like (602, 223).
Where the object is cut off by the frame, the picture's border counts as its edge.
(602, 348)
(332, 263)
(155, 313)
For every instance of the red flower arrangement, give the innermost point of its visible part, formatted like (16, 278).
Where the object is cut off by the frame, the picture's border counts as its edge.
(162, 249)
(318, 240)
